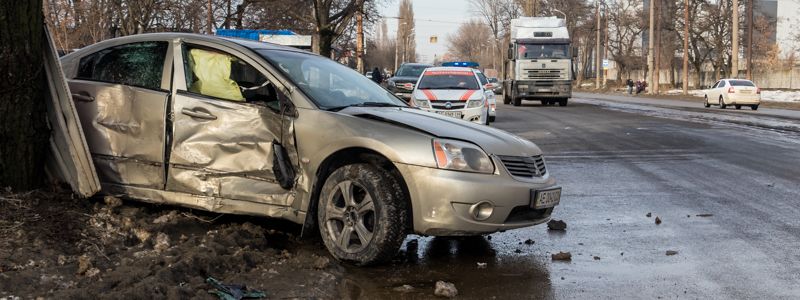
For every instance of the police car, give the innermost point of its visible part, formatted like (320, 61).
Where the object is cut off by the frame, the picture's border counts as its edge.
(454, 92)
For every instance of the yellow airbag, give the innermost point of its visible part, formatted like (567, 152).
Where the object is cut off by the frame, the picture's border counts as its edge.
(213, 73)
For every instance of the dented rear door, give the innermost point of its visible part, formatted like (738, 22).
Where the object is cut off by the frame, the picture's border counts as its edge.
(121, 94)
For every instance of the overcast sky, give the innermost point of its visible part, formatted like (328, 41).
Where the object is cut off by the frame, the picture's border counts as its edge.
(433, 18)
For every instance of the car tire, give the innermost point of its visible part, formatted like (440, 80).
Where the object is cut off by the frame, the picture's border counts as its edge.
(517, 101)
(544, 102)
(754, 107)
(722, 104)
(563, 102)
(492, 118)
(737, 106)
(487, 119)
(506, 98)
(354, 198)
(705, 102)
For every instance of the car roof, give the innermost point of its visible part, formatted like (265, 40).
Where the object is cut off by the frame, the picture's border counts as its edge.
(451, 69)
(161, 36)
(416, 64)
(736, 79)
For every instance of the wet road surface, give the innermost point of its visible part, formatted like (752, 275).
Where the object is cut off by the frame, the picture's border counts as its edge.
(728, 195)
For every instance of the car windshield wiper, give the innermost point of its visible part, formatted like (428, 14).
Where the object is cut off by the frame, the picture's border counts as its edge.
(365, 104)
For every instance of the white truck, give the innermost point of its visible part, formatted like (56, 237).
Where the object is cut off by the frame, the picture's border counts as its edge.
(539, 65)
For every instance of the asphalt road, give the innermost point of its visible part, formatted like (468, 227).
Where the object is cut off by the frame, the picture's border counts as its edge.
(727, 192)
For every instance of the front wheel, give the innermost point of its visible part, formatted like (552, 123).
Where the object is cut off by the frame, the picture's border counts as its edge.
(738, 106)
(754, 107)
(362, 214)
(705, 102)
(517, 101)
(562, 102)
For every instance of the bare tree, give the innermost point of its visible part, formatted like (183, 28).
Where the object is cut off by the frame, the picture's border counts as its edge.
(469, 41)
(497, 15)
(406, 33)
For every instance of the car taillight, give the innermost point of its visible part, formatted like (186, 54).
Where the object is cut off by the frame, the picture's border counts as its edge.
(758, 91)
(731, 90)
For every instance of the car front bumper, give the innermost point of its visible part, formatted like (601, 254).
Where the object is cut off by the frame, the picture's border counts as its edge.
(441, 200)
(467, 114)
(543, 89)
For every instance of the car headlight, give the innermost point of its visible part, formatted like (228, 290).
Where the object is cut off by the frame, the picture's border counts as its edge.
(474, 103)
(461, 156)
(422, 103)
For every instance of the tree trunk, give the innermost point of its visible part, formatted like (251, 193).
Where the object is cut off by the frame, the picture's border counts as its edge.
(23, 128)
(325, 42)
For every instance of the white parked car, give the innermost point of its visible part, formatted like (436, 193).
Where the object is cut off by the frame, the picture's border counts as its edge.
(736, 92)
(454, 92)
(488, 89)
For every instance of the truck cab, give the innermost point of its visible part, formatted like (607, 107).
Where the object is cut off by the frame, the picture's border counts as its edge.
(540, 62)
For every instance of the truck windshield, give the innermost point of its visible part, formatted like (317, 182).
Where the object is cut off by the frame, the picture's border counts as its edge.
(448, 80)
(543, 51)
(411, 71)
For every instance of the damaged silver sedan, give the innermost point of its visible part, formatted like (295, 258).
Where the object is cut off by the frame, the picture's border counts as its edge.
(242, 127)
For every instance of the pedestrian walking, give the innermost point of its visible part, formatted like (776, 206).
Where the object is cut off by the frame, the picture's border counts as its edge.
(629, 84)
(376, 76)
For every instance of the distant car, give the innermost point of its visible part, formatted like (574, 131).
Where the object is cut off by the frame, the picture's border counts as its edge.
(736, 92)
(497, 88)
(454, 92)
(243, 127)
(404, 80)
(490, 95)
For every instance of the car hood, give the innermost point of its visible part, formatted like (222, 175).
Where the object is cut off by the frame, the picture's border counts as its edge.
(491, 140)
(448, 95)
(405, 79)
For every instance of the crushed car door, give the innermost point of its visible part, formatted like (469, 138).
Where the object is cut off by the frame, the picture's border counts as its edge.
(226, 129)
(121, 95)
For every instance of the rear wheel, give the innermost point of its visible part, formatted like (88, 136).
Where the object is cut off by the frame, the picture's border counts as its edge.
(362, 214)
(705, 102)
(722, 104)
(563, 102)
(754, 107)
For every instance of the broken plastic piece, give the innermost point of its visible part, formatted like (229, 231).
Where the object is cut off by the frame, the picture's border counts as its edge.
(233, 291)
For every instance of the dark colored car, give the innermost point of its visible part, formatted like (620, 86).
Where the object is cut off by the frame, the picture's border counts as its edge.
(404, 80)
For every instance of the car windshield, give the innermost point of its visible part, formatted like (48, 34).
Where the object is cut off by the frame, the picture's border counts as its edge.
(741, 83)
(411, 70)
(329, 84)
(543, 51)
(448, 80)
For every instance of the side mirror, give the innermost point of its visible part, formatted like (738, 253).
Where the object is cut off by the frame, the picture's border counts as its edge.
(487, 86)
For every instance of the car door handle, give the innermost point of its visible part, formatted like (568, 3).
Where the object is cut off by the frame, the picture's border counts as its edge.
(83, 97)
(197, 114)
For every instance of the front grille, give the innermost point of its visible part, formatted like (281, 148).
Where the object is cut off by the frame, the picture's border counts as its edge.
(442, 104)
(525, 213)
(543, 73)
(522, 166)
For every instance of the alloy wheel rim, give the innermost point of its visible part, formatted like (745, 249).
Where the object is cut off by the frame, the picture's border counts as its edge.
(350, 217)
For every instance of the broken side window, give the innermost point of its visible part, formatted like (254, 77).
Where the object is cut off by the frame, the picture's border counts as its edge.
(135, 64)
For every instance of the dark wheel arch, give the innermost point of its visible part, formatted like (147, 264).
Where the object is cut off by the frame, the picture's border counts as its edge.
(345, 157)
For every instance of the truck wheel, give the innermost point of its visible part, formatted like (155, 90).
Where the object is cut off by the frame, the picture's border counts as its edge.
(506, 98)
(563, 102)
(362, 214)
(517, 101)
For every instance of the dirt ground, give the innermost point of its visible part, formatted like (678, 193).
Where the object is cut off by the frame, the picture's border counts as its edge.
(55, 246)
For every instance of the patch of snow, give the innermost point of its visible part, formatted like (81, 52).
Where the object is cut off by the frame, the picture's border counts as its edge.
(780, 96)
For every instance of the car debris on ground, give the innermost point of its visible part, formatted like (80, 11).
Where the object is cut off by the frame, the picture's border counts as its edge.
(233, 291)
(562, 256)
(556, 225)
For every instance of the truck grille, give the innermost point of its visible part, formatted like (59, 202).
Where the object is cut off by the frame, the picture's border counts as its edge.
(543, 73)
(522, 166)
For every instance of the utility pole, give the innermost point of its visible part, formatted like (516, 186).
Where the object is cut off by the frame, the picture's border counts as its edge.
(686, 25)
(749, 12)
(735, 42)
(650, 42)
(210, 21)
(598, 54)
(657, 54)
(360, 39)
(605, 47)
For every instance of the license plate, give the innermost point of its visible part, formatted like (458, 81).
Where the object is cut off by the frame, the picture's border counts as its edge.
(453, 114)
(545, 90)
(546, 198)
